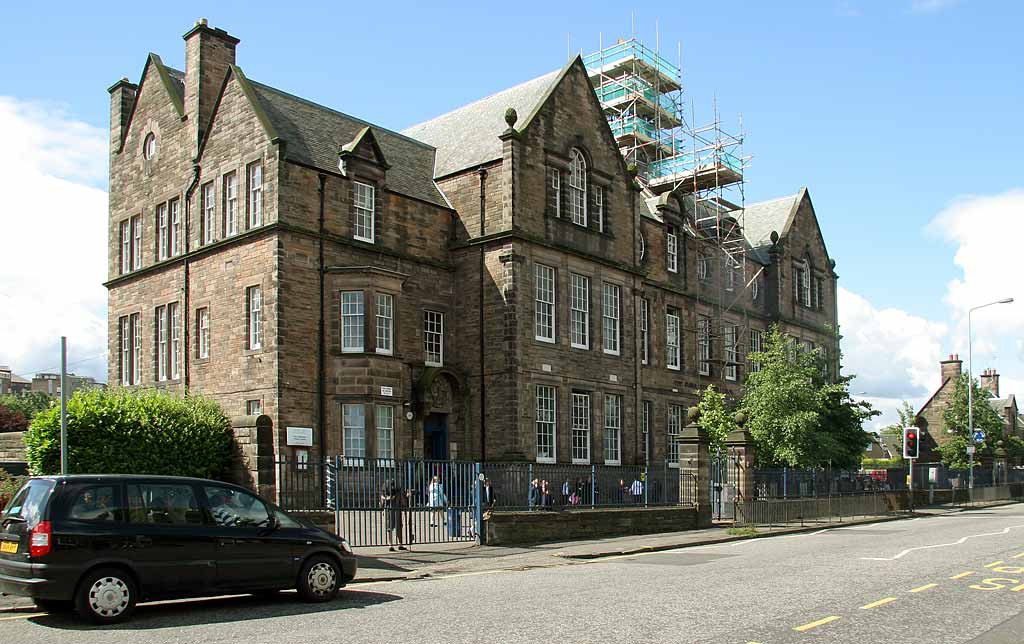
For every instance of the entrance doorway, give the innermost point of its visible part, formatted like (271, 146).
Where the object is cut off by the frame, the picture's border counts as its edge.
(435, 437)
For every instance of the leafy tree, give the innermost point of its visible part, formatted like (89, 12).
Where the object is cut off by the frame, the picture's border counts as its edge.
(842, 438)
(781, 403)
(796, 417)
(955, 418)
(128, 432)
(12, 420)
(29, 403)
(715, 418)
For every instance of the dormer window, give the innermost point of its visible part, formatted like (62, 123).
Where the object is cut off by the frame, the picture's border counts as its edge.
(578, 187)
(149, 147)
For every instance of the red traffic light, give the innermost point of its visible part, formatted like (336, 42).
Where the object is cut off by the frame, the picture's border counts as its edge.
(910, 447)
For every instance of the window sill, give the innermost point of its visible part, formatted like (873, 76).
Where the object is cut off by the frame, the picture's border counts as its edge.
(610, 353)
(433, 364)
(546, 461)
(362, 239)
(544, 340)
(580, 461)
(584, 347)
(616, 463)
(673, 368)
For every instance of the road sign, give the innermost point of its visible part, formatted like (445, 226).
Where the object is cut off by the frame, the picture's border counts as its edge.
(970, 450)
(979, 436)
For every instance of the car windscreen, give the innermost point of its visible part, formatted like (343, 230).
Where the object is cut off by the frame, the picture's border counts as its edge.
(30, 502)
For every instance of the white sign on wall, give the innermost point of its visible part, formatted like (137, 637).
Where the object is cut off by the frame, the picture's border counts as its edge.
(387, 391)
(300, 436)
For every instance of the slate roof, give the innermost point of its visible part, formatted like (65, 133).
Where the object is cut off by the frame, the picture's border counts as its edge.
(314, 135)
(468, 136)
(178, 78)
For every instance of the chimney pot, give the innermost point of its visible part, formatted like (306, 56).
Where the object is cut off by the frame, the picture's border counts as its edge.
(201, 22)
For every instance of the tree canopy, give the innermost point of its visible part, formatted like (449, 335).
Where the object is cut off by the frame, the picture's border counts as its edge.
(715, 418)
(796, 416)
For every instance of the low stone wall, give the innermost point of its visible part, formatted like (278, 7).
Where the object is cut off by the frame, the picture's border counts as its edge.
(515, 528)
(12, 447)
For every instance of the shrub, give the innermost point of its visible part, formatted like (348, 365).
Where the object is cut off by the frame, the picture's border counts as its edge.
(128, 432)
(12, 420)
(9, 485)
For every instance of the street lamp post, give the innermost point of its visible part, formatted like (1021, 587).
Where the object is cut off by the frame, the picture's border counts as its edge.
(970, 388)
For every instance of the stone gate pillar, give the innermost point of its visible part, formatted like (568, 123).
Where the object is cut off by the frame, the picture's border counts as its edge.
(740, 447)
(695, 468)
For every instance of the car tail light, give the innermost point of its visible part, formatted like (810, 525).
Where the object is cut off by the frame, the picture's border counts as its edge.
(40, 539)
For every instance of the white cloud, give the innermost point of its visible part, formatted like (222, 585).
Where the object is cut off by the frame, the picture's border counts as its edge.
(895, 355)
(54, 232)
(931, 6)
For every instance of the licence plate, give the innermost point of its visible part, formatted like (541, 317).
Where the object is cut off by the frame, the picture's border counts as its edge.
(9, 546)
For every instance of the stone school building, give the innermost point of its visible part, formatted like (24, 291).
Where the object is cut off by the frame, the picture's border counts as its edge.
(492, 284)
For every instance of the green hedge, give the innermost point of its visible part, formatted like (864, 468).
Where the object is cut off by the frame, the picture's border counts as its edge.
(129, 432)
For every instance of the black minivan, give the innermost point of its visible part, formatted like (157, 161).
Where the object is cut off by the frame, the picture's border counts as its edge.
(101, 543)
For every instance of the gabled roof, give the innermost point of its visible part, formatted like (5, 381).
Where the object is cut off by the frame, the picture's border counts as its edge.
(173, 82)
(468, 136)
(763, 217)
(316, 134)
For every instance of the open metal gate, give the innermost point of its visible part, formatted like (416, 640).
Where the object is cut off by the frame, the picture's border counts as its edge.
(379, 502)
(724, 479)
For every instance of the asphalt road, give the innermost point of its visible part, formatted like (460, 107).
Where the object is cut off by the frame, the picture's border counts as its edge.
(944, 579)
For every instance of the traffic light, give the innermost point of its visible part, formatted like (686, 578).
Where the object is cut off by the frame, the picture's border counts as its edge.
(911, 449)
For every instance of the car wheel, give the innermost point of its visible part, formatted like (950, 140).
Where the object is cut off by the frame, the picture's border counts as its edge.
(319, 579)
(106, 595)
(54, 605)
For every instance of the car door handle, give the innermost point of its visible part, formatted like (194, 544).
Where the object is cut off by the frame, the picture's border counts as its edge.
(143, 541)
(226, 542)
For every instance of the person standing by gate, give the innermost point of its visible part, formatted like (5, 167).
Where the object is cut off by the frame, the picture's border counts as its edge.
(637, 490)
(392, 499)
(436, 500)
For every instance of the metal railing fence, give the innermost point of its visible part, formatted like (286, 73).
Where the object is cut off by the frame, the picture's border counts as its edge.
(521, 486)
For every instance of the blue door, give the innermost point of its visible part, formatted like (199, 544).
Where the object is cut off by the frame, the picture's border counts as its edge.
(435, 437)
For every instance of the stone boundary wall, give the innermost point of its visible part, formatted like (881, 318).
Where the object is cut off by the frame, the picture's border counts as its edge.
(515, 528)
(12, 447)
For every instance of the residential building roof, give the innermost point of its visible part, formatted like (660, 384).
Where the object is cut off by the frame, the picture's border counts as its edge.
(468, 136)
(314, 134)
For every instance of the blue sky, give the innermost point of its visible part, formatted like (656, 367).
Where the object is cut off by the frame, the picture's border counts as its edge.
(889, 111)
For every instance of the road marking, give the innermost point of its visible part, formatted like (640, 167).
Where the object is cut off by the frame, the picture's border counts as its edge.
(994, 564)
(958, 542)
(966, 573)
(880, 602)
(923, 588)
(807, 534)
(1017, 589)
(820, 622)
(25, 616)
(1018, 556)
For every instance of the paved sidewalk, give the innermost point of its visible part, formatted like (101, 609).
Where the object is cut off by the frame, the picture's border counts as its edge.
(439, 560)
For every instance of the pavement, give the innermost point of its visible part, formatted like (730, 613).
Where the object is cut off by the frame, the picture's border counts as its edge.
(941, 576)
(433, 560)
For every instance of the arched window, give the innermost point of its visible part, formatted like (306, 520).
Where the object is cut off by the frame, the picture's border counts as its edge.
(578, 187)
(149, 147)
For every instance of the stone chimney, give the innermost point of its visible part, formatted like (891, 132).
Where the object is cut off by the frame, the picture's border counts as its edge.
(208, 54)
(951, 368)
(122, 98)
(990, 381)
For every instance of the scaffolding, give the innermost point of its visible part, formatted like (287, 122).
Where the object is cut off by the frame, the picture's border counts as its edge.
(642, 96)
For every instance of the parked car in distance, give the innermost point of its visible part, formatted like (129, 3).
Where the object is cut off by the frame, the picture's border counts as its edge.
(102, 543)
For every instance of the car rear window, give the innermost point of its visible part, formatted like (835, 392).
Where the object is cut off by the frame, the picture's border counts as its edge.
(30, 502)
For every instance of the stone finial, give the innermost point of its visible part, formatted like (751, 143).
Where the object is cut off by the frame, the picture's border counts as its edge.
(740, 418)
(692, 414)
(511, 116)
(774, 237)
